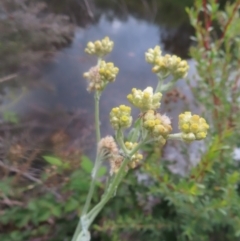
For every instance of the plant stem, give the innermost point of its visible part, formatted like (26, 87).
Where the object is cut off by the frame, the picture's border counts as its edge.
(77, 231)
(160, 82)
(158, 88)
(112, 187)
(98, 158)
(117, 179)
(95, 211)
(177, 136)
(120, 141)
(97, 121)
(96, 165)
(92, 185)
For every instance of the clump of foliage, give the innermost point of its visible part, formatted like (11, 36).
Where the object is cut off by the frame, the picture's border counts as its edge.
(40, 189)
(29, 32)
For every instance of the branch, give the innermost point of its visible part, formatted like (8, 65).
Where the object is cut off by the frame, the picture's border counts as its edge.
(30, 177)
(8, 77)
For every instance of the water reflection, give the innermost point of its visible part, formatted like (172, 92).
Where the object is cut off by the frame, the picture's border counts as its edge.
(132, 38)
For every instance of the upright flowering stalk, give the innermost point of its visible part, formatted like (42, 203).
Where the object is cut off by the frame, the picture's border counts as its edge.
(98, 77)
(124, 152)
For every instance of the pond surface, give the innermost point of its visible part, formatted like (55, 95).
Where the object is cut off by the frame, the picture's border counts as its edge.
(131, 40)
(132, 36)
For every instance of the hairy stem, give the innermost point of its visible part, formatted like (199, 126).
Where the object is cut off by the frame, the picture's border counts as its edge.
(177, 136)
(97, 119)
(90, 217)
(96, 164)
(120, 141)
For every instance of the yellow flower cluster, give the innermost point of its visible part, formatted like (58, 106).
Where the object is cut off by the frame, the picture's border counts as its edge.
(120, 117)
(168, 64)
(108, 71)
(152, 55)
(193, 127)
(100, 47)
(159, 126)
(136, 158)
(146, 99)
(99, 76)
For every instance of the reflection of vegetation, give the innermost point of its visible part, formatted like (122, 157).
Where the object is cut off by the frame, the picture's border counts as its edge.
(29, 34)
(28, 31)
(169, 12)
(157, 11)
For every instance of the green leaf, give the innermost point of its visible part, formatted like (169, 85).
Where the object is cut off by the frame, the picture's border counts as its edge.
(5, 188)
(53, 160)
(56, 211)
(237, 234)
(24, 220)
(10, 117)
(191, 199)
(32, 205)
(44, 216)
(102, 171)
(86, 164)
(71, 205)
(79, 181)
(222, 211)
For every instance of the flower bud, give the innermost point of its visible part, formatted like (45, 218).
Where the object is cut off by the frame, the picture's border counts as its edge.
(168, 64)
(99, 76)
(120, 117)
(100, 47)
(108, 71)
(136, 158)
(193, 127)
(145, 100)
(152, 55)
(157, 125)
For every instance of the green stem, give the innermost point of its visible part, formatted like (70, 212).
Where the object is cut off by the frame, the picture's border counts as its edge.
(98, 158)
(120, 141)
(110, 191)
(97, 121)
(96, 165)
(166, 87)
(89, 196)
(112, 187)
(160, 82)
(92, 185)
(158, 88)
(134, 133)
(77, 231)
(177, 136)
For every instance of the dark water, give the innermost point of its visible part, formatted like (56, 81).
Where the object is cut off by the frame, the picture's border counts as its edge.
(132, 36)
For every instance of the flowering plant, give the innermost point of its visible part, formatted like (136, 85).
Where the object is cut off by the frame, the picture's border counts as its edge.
(124, 151)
